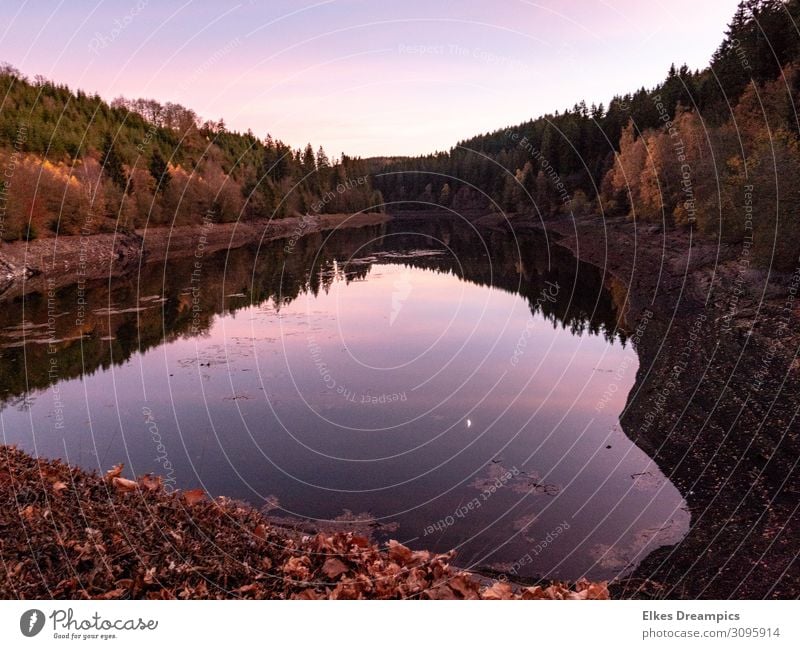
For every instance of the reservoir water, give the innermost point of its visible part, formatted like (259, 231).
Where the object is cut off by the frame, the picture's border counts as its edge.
(423, 381)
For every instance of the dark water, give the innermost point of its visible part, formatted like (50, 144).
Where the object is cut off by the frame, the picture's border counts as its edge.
(449, 389)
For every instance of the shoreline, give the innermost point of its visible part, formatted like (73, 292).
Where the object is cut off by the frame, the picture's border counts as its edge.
(709, 345)
(71, 534)
(50, 263)
(714, 404)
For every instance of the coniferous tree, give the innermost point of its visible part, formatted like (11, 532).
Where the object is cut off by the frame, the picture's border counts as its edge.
(308, 160)
(322, 159)
(112, 163)
(159, 170)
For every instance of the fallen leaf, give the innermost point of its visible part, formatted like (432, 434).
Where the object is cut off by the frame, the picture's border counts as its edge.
(123, 484)
(347, 590)
(399, 552)
(594, 590)
(533, 592)
(193, 496)
(114, 472)
(498, 590)
(416, 581)
(297, 567)
(150, 482)
(464, 586)
(333, 567)
(149, 576)
(30, 512)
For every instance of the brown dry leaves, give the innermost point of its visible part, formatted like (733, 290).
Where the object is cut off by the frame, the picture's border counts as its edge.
(194, 496)
(116, 538)
(347, 566)
(584, 589)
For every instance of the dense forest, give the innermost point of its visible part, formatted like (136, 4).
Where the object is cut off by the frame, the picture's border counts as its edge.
(714, 150)
(72, 163)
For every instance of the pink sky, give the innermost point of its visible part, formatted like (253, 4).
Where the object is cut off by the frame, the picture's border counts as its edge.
(363, 77)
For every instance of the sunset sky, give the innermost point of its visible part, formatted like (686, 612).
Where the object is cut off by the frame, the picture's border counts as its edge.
(363, 77)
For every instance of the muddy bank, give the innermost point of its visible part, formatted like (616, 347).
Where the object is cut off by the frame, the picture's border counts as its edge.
(49, 263)
(715, 403)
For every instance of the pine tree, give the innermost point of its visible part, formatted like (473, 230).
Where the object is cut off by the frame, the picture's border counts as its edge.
(322, 159)
(160, 172)
(308, 160)
(112, 163)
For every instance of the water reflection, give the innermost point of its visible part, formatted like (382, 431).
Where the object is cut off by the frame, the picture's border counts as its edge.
(417, 380)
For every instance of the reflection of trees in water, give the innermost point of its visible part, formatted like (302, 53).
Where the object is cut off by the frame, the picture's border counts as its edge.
(522, 266)
(155, 307)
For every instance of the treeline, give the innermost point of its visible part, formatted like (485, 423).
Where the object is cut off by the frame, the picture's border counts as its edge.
(716, 149)
(71, 162)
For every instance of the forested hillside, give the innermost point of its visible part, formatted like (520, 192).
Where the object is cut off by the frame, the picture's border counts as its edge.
(73, 163)
(715, 149)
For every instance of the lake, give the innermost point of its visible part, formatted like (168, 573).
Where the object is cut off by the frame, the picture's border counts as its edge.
(418, 380)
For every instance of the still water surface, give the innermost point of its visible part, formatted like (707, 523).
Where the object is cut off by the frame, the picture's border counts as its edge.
(443, 387)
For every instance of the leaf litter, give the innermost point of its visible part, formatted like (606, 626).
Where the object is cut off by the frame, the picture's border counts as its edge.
(69, 534)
